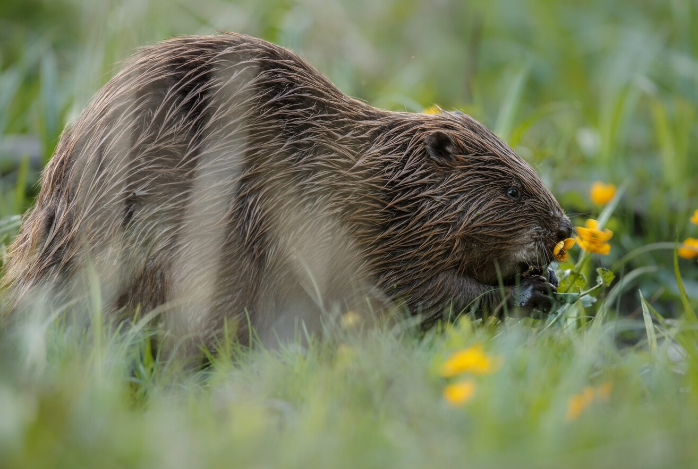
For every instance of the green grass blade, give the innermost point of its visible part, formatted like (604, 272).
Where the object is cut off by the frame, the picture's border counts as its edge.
(688, 310)
(649, 326)
(617, 290)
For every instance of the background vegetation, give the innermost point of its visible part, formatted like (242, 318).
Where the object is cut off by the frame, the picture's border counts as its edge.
(584, 90)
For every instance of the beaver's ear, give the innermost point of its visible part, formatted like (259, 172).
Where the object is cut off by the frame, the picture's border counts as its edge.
(440, 147)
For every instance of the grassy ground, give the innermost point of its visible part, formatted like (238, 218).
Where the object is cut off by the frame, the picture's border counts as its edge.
(584, 91)
(371, 401)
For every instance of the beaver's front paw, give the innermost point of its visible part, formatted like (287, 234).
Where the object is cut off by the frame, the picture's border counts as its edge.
(535, 292)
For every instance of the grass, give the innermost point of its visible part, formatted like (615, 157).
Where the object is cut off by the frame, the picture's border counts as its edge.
(584, 91)
(371, 400)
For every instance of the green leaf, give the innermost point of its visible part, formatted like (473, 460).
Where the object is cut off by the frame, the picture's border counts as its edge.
(604, 277)
(572, 282)
(568, 298)
(587, 300)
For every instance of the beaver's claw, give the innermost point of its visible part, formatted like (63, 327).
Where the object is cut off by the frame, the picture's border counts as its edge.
(552, 277)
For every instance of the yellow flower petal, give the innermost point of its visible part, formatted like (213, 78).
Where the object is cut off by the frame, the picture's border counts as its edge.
(601, 193)
(598, 248)
(592, 230)
(470, 360)
(459, 393)
(434, 109)
(591, 239)
(689, 248)
(592, 224)
(558, 247)
(560, 250)
(577, 403)
(582, 243)
(694, 218)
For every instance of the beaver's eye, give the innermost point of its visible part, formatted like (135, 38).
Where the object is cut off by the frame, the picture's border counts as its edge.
(514, 193)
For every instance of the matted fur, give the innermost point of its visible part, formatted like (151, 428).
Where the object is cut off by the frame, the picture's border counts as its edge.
(224, 175)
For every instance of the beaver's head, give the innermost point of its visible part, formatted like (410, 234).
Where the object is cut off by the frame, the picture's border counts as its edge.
(488, 209)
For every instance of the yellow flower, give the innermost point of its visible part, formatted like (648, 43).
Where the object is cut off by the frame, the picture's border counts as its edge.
(689, 249)
(434, 109)
(470, 360)
(591, 239)
(560, 251)
(578, 402)
(459, 393)
(601, 193)
(694, 218)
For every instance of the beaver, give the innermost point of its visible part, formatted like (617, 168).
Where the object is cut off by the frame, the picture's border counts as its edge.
(220, 179)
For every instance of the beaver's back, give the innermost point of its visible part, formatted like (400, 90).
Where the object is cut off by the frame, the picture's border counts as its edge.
(206, 174)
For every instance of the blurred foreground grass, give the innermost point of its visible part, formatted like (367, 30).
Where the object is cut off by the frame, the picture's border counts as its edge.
(354, 401)
(584, 91)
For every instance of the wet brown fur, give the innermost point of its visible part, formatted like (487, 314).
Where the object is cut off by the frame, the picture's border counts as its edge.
(226, 169)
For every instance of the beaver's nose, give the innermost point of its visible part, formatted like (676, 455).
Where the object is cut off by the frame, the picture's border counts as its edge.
(564, 230)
